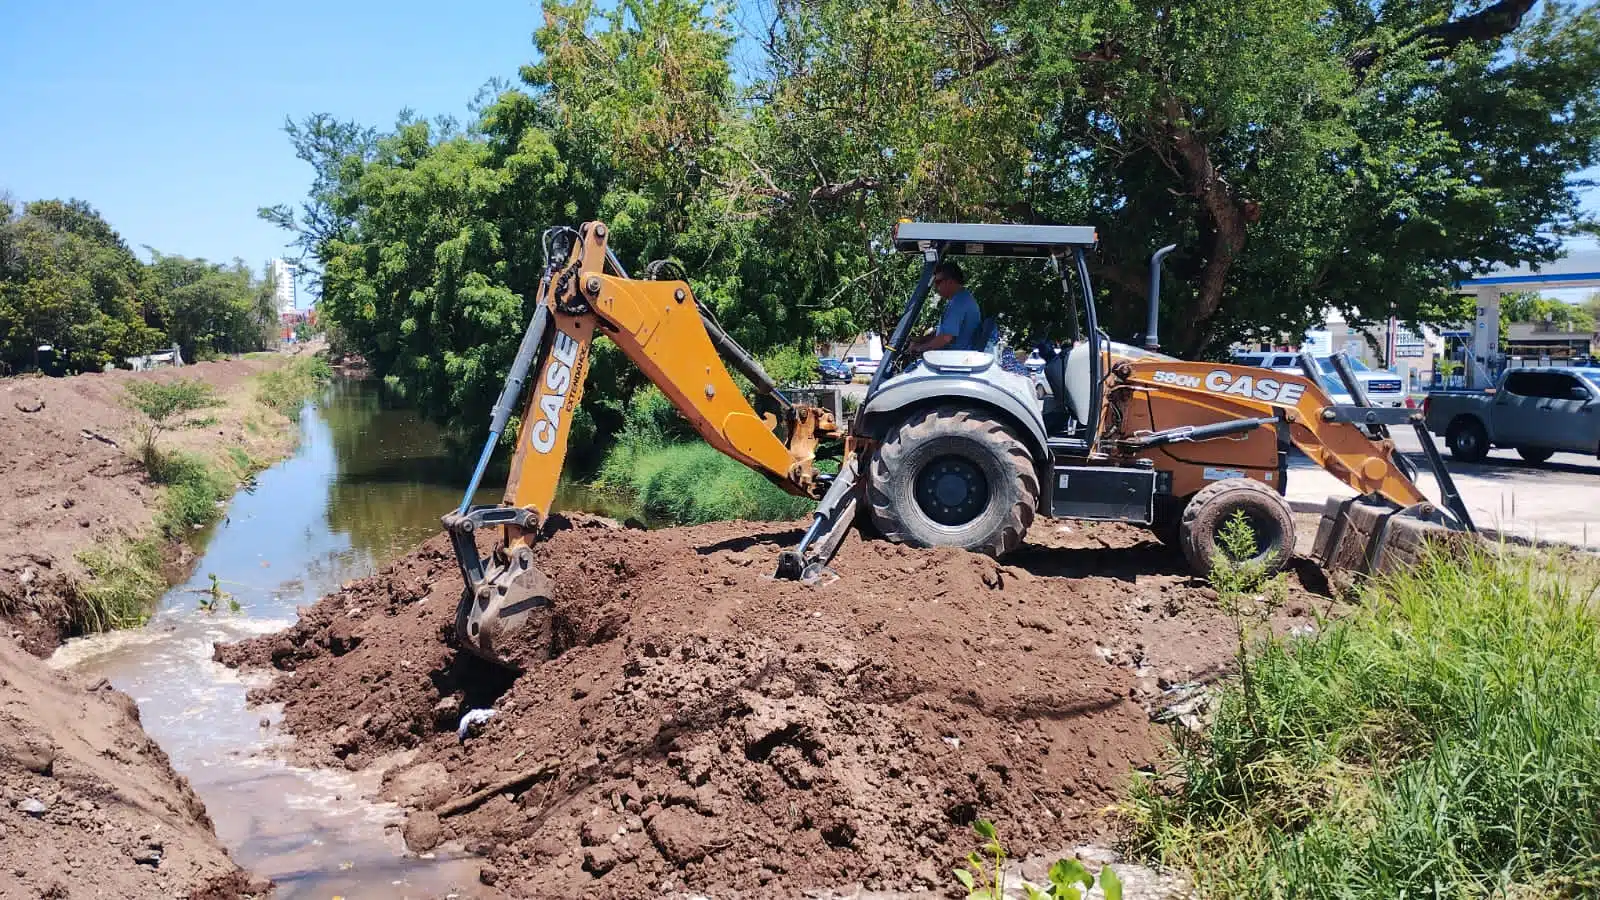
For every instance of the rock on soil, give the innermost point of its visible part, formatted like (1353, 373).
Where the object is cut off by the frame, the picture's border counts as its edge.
(69, 480)
(690, 724)
(89, 806)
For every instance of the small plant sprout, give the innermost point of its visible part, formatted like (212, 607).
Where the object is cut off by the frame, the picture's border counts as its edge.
(984, 874)
(984, 877)
(214, 595)
(1246, 593)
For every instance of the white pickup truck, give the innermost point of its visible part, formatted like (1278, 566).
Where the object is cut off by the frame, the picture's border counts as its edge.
(1383, 388)
(1536, 411)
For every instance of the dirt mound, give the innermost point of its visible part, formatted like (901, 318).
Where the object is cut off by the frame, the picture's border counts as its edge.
(68, 479)
(698, 725)
(89, 806)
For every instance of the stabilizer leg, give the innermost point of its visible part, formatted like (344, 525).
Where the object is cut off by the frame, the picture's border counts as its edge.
(808, 562)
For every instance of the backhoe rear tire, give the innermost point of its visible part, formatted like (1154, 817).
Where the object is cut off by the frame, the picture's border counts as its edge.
(949, 477)
(1269, 516)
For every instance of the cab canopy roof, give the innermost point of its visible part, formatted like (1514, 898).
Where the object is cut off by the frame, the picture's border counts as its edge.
(991, 240)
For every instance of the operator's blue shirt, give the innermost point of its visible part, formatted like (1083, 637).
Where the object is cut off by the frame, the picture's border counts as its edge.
(962, 321)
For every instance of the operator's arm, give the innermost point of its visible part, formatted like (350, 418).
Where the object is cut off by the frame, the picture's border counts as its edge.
(937, 342)
(949, 327)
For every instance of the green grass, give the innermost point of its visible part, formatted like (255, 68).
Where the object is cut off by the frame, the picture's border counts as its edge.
(195, 487)
(687, 484)
(1443, 741)
(660, 464)
(287, 388)
(123, 586)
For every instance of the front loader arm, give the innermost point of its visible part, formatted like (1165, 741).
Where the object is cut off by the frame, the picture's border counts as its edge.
(1213, 393)
(660, 327)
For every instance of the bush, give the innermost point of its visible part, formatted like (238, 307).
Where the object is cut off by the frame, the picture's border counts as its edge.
(688, 484)
(194, 490)
(163, 405)
(791, 365)
(287, 388)
(1444, 741)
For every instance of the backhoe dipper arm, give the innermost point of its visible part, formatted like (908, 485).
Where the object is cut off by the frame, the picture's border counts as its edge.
(661, 328)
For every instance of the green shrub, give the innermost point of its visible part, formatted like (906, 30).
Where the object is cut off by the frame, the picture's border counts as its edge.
(287, 388)
(123, 586)
(163, 405)
(194, 490)
(691, 483)
(1443, 741)
(791, 365)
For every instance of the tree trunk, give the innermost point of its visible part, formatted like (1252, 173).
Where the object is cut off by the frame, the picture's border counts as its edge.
(1222, 221)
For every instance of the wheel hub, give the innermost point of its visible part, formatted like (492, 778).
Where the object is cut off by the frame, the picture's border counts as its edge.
(951, 490)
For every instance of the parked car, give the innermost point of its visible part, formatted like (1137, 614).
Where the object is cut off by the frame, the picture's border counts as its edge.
(1383, 388)
(831, 369)
(861, 365)
(1536, 411)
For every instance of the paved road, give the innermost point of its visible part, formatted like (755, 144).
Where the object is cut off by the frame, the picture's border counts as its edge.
(1558, 500)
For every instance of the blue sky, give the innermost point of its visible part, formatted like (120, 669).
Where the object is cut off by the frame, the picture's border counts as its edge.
(167, 117)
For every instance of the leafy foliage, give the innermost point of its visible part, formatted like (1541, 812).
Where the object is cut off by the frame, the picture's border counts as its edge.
(1302, 154)
(287, 388)
(69, 281)
(209, 309)
(984, 876)
(163, 405)
(1438, 742)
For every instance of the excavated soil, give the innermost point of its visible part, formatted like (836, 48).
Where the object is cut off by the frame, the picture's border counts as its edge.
(69, 478)
(692, 724)
(89, 806)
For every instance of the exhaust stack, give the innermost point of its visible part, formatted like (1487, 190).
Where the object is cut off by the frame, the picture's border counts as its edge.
(1151, 341)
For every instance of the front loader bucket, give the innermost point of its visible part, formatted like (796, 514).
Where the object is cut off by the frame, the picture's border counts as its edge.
(1360, 537)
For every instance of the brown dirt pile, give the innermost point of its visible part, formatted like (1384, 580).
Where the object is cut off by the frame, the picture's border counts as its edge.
(68, 478)
(89, 806)
(697, 725)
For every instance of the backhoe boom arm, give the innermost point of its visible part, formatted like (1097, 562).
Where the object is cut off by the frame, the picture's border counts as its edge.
(660, 327)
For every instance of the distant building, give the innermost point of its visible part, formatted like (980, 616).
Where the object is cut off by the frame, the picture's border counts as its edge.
(283, 273)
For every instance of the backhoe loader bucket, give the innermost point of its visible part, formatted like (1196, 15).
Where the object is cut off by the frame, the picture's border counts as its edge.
(1360, 537)
(1366, 536)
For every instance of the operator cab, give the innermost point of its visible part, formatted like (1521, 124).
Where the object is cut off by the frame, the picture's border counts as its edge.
(1075, 374)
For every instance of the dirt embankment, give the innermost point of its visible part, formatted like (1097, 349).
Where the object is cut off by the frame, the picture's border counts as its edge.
(69, 479)
(89, 805)
(699, 726)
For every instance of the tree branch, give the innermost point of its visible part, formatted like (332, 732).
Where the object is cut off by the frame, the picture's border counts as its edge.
(843, 189)
(1493, 22)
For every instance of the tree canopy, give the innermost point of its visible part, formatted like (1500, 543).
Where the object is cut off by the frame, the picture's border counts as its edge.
(1303, 154)
(70, 282)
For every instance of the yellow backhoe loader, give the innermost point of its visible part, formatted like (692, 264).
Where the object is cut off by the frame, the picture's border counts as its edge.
(947, 449)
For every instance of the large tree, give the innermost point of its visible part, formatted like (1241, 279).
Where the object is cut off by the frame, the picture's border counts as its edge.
(1301, 153)
(67, 280)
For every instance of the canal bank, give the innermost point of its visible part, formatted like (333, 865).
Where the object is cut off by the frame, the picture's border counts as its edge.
(368, 480)
(89, 804)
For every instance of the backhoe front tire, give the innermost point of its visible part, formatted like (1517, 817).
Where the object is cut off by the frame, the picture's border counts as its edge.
(1269, 516)
(948, 477)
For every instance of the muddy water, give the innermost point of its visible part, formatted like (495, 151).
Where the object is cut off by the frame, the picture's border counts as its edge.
(368, 482)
